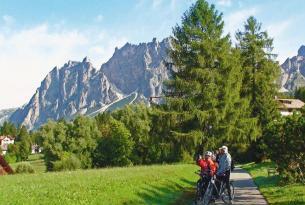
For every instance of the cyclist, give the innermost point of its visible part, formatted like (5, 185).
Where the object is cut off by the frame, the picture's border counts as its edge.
(224, 169)
(208, 169)
(207, 165)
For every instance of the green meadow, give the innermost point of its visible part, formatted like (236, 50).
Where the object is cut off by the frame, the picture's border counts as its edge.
(158, 184)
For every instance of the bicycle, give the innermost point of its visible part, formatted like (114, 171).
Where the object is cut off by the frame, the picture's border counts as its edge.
(201, 186)
(220, 193)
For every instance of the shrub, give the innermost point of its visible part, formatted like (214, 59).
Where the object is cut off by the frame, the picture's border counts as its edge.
(115, 148)
(68, 162)
(286, 145)
(24, 168)
(10, 158)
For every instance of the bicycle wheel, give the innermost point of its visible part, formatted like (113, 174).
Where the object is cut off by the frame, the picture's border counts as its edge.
(225, 195)
(232, 190)
(198, 193)
(208, 195)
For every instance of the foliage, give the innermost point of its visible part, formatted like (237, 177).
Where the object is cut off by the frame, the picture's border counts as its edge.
(137, 121)
(217, 95)
(24, 168)
(115, 147)
(21, 149)
(260, 72)
(10, 158)
(8, 129)
(285, 139)
(204, 94)
(36, 161)
(23, 141)
(300, 93)
(67, 162)
(78, 138)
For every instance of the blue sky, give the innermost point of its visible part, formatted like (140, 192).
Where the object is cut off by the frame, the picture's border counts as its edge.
(36, 35)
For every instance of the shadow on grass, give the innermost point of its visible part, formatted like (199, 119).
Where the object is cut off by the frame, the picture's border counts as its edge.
(181, 192)
(265, 182)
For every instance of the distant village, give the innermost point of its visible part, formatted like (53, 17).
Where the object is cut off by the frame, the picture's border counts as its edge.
(5, 141)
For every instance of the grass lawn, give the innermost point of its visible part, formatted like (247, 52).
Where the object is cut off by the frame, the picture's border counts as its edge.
(36, 161)
(293, 194)
(158, 184)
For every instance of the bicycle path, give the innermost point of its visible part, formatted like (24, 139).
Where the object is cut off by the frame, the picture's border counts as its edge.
(246, 192)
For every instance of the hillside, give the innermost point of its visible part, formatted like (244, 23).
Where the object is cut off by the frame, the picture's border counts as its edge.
(160, 184)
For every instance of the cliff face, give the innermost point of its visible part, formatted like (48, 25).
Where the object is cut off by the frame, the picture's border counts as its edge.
(293, 71)
(79, 88)
(76, 88)
(139, 68)
(6, 114)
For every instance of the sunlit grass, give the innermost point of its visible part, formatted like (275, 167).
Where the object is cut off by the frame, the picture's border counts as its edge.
(158, 184)
(36, 161)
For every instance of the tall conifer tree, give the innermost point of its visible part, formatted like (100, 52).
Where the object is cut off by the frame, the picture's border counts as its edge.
(260, 69)
(204, 93)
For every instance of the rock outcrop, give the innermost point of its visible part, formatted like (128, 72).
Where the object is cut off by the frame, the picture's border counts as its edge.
(139, 67)
(293, 71)
(76, 88)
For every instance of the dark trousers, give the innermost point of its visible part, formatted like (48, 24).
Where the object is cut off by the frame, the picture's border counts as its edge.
(225, 179)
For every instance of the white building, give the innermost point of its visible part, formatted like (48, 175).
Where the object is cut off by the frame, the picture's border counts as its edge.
(288, 106)
(5, 141)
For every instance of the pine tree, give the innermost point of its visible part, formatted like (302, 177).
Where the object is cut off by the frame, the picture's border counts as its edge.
(260, 70)
(204, 93)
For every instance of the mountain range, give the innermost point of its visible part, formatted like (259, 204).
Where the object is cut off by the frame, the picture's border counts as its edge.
(133, 73)
(293, 71)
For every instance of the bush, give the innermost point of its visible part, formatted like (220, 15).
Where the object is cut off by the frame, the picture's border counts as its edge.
(115, 148)
(10, 158)
(285, 139)
(25, 168)
(68, 162)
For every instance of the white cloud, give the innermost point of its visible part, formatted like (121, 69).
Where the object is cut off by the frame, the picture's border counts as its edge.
(224, 2)
(278, 31)
(235, 21)
(27, 55)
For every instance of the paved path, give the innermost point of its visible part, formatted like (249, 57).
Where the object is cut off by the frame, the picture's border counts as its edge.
(246, 192)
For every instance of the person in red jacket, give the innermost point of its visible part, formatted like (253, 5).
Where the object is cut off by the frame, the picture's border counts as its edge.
(207, 165)
(208, 169)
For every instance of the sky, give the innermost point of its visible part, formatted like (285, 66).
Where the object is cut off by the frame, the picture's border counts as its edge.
(37, 35)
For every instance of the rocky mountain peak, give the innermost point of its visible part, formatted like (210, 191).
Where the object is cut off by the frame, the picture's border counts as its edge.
(86, 60)
(301, 51)
(76, 88)
(138, 67)
(293, 71)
